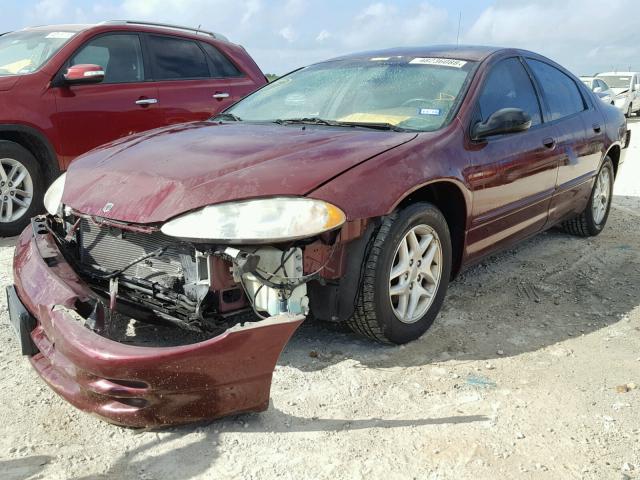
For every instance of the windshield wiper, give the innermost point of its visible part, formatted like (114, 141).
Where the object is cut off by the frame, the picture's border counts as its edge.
(308, 120)
(228, 116)
(376, 125)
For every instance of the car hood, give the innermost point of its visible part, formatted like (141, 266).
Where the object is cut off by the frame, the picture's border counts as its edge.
(618, 91)
(152, 177)
(8, 82)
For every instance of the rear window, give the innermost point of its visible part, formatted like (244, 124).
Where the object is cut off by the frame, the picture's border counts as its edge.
(560, 91)
(175, 58)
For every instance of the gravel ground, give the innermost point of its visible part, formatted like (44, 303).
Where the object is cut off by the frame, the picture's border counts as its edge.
(529, 372)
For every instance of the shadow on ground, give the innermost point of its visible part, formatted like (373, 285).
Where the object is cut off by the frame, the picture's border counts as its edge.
(21, 468)
(196, 457)
(542, 292)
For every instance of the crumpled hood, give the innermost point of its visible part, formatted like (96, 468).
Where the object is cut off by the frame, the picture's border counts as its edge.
(8, 82)
(152, 177)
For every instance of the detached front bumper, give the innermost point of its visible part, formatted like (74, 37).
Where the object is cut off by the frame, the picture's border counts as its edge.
(132, 385)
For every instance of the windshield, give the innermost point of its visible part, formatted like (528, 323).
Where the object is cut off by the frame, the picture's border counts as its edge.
(402, 92)
(617, 81)
(25, 51)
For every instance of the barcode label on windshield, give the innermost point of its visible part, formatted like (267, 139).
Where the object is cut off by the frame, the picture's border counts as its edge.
(443, 62)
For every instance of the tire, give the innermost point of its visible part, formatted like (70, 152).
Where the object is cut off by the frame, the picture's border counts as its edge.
(589, 223)
(376, 309)
(12, 222)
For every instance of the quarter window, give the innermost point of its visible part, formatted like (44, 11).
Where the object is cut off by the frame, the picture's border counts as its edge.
(509, 86)
(221, 66)
(560, 91)
(119, 54)
(174, 58)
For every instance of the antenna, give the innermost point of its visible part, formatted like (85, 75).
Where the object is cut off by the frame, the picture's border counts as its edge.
(459, 22)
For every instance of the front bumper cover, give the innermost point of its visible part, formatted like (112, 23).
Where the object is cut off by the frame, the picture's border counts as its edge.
(131, 385)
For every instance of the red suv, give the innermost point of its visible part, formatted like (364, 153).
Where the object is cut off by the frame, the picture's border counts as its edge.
(66, 89)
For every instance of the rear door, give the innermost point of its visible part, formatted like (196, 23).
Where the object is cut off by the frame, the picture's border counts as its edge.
(194, 79)
(581, 136)
(90, 115)
(514, 174)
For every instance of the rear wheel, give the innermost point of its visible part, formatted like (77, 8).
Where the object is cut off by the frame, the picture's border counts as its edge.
(406, 276)
(21, 188)
(594, 217)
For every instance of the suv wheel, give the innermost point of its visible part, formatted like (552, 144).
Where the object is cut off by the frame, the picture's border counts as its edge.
(21, 188)
(405, 277)
(594, 217)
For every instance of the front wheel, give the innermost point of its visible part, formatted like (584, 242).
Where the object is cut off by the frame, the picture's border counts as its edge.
(405, 277)
(594, 217)
(21, 188)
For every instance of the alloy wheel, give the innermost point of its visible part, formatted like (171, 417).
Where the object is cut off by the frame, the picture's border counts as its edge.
(16, 190)
(601, 195)
(415, 274)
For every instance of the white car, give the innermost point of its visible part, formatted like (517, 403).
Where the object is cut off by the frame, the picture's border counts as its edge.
(600, 88)
(626, 86)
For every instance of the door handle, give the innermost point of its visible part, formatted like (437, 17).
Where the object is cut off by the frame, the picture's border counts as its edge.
(221, 95)
(146, 101)
(549, 142)
(596, 127)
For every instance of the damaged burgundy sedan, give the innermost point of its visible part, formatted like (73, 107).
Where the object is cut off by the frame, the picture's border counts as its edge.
(174, 266)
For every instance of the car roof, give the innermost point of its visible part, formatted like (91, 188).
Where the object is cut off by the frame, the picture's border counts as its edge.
(475, 53)
(130, 25)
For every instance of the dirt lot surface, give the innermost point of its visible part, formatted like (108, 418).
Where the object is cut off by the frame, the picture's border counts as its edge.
(529, 372)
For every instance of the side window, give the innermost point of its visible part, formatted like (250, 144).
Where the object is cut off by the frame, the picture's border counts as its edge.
(559, 89)
(119, 54)
(509, 86)
(175, 58)
(222, 67)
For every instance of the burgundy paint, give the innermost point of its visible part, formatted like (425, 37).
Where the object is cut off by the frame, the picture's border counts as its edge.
(139, 386)
(146, 184)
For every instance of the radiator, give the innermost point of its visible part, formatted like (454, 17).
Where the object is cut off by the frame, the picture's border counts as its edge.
(113, 249)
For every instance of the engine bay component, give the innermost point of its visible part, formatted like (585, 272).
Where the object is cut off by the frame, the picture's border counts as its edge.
(277, 278)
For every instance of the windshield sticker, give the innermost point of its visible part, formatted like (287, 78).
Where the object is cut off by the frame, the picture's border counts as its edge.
(443, 62)
(379, 59)
(64, 35)
(429, 111)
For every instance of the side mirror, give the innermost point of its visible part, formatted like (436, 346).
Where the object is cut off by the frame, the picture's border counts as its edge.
(505, 120)
(636, 87)
(83, 74)
(597, 90)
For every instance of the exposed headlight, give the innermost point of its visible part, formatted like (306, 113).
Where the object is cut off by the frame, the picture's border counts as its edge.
(53, 197)
(257, 221)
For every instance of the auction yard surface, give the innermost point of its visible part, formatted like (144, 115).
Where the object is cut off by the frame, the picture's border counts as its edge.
(528, 373)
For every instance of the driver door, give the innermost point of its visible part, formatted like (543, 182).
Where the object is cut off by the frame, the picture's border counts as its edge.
(122, 104)
(513, 175)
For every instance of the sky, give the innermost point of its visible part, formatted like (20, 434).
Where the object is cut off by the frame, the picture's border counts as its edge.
(586, 36)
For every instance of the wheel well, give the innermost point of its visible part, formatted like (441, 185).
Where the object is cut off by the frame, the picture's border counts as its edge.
(614, 154)
(46, 158)
(450, 201)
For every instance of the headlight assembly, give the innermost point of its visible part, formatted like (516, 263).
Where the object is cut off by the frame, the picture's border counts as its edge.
(264, 220)
(53, 197)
